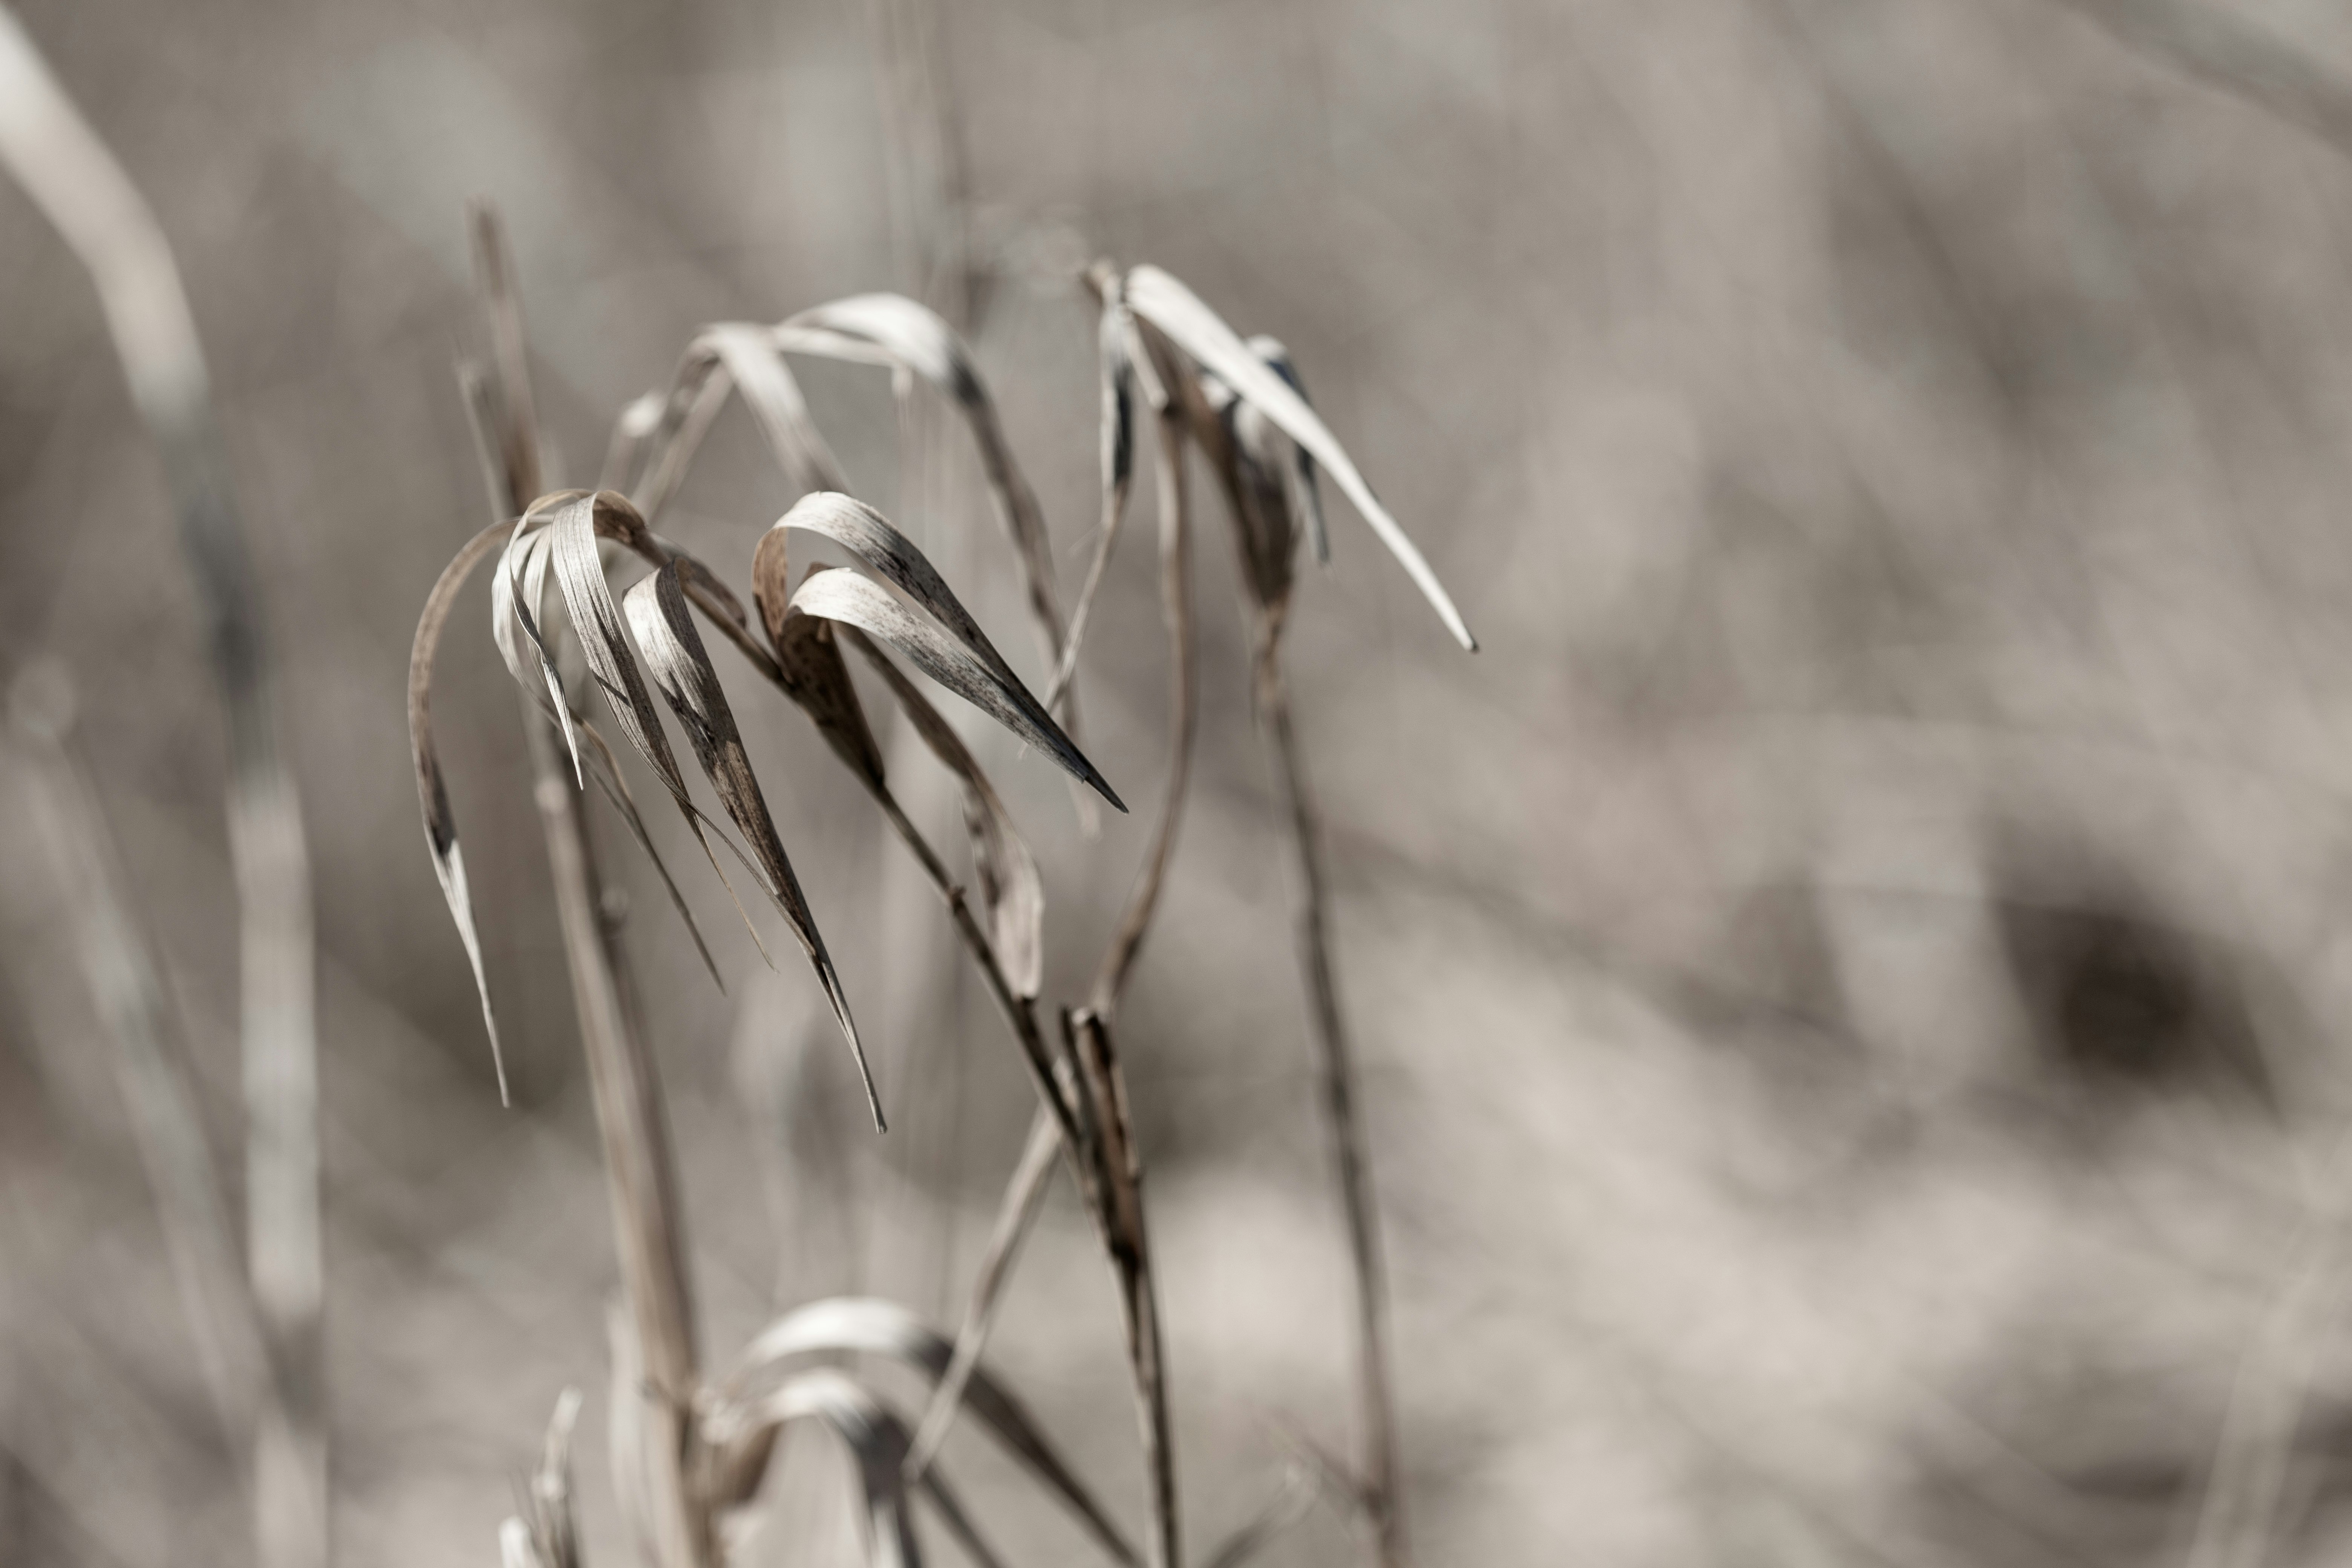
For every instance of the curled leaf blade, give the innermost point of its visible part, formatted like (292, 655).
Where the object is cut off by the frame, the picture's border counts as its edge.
(902, 333)
(433, 792)
(1165, 303)
(852, 600)
(681, 667)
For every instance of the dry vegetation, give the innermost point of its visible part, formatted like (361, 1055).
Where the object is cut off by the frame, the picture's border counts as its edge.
(1818, 1047)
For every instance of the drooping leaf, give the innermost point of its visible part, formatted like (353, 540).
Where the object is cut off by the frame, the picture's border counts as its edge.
(851, 599)
(735, 355)
(579, 519)
(1201, 333)
(432, 793)
(517, 593)
(944, 640)
(664, 627)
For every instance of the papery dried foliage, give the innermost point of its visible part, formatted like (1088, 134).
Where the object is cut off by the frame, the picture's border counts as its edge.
(944, 641)
(1192, 326)
(673, 650)
(1243, 404)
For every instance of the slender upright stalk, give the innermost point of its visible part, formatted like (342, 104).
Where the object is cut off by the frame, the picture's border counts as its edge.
(640, 1171)
(640, 1174)
(1335, 1059)
(75, 180)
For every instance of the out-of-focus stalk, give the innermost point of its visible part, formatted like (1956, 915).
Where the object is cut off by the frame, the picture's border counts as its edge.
(72, 177)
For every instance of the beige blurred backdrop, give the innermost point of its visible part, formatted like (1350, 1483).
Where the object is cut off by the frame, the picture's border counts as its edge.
(1848, 976)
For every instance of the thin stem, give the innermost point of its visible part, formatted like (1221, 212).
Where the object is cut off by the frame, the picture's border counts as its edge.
(640, 1174)
(1114, 1185)
(1024, 1196)
(640, 1171)
(1335, 1058)
(1183, 710)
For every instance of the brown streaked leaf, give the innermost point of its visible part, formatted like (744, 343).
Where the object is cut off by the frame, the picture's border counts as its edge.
(1010, 890)
(851, 599)
(658, 613)
(894, 331)
(1201, 333)
(948, 645)
(810, 665)
(1260, 491)
(885, 1328)
(1308, 500)
(432, 793)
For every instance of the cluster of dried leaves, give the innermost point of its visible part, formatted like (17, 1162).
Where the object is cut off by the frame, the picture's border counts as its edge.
(692, 1451)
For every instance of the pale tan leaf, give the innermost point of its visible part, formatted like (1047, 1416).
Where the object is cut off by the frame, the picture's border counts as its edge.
(658, 613)
(1201, 333)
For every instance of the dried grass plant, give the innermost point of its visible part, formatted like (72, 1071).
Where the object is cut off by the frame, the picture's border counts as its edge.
(692, 1446)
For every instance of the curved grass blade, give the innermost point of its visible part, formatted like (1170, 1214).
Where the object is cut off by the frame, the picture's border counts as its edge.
(432, 793)
(658, 613)
(841, 1324)
(579, 519)
(514, 609)
(846, 597)
(949, 646)
(1176, 310)
(909, 334)
(737, 357)
(1010, 890)
(517, 593)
